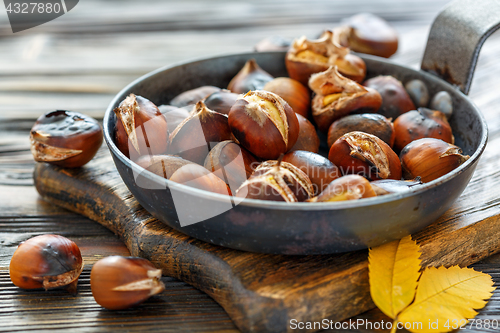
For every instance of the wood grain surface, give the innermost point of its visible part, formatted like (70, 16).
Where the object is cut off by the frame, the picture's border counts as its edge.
(81, 60)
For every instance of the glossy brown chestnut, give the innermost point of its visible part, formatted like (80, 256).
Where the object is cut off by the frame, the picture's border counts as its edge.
(365, 154)
(141, 129)
(162, 165)
(277, 181)
(193, 96)
(264, 124)
(395, 99)
(350, 187)
(119, 283)
(173, 115)
(308, 138)
(371, 123)
(368, 33)
(421, 123)
(430, 158)
(231, 163)
(196, 176)
(65, 138)
(293, 92)
(320, 170)
(46, 261)
(221, 101)
(196, 135)
(250, 77)
(338, 96)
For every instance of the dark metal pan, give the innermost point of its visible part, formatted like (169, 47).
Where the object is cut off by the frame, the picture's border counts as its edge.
(318, 228)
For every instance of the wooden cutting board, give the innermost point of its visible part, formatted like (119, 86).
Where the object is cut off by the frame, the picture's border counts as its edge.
(260, 292)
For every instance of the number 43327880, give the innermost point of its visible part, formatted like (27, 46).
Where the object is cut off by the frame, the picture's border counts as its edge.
(33, 8)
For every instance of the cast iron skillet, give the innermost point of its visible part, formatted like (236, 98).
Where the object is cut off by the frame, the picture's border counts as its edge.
(319, 228)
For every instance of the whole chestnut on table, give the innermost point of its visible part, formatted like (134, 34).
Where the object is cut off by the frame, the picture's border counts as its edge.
(119, 283)
(140, 128)
(338, 96)
(366, 155)
(395, 99)
(264, 124)
(421, 123)
(277, 181)
(65, 138)
(308, 138)
(371, 123)
(250, 77)
(193, 96)
(430, 158)
(46, 261)
(350, 187)
(293, 92)
(306, 57)
(196, 135)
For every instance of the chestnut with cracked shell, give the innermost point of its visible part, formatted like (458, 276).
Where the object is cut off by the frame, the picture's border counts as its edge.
(250, 77)
(338, 96)
(366, 155)
(350, 187)
(264, 124)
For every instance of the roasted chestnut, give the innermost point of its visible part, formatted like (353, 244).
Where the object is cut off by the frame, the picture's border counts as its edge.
(371, 123)
(418, 92)
(320, 170)
(173, 115)
(250, 77)
(430, 158)
(395, 99)
(368, 33)
(350, 187)
(119, 283)
(337, 96)
(221, 101)
(196, 176)
(421, 123)
(140, 128)
(442, 102)
(308, 138)
(195, 136)
(264, 124)
(162, 165)
(293, 92)
(193, 96)
(46, 261)
(366, 155)
(65, 138)
(273, 43)
(231, 163)
(306, 57)
(277, 181)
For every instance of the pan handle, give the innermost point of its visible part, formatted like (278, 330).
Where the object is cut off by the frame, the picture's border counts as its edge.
(456, 37)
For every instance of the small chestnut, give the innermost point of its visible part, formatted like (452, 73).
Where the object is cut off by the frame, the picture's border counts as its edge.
(308, 138)
(421, 123)
(250, 77)
(65, 138)
(430, 158)
(320, 170)
(293, 92)
(395, 99)
(264, 124)
(221, 101)
(140, 128)
(196, 176)
(231, 163)
(350, 187)
(193, 96)
(366, 155)
(418, 92)
(119, 283)
(338, 96)
(277, 181)
(442, 102)
(371, 123)
(46, 261)
(196, 135)
(173, 115)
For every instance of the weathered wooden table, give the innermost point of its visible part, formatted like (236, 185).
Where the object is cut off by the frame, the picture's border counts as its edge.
(81, 60)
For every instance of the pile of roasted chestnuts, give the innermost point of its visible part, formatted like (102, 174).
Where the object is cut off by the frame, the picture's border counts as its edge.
(260, 137)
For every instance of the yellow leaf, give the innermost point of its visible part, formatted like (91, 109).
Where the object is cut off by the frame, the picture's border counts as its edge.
(394, 272)
(446, 298)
